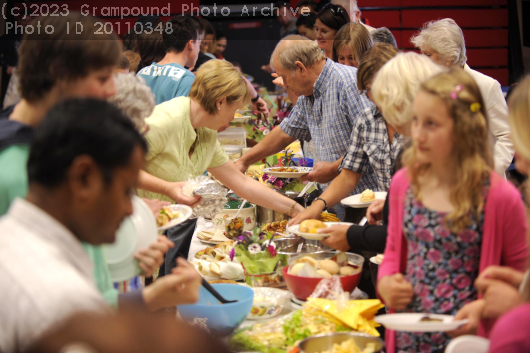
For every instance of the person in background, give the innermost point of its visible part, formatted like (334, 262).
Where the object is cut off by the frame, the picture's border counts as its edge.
(134, 60)
(305, 25)
(168, 78)
(353, 11)
(123, 65)
(452, 215)
(329, 103)
(443, 41)
(350, 44)
(306, 7)
(383, 35)
(209, 38)
(150, 47)
(221, 43)
(286, 18)
(182, 142)
(201, 58)
(96, 155)
(144, 22)
(329, 20)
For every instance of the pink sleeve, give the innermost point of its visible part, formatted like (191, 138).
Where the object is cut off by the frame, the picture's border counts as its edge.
(513, 228)
(392, 259)
(510, 334)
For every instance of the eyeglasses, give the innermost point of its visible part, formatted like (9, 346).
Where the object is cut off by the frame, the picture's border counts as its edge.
(335, 9)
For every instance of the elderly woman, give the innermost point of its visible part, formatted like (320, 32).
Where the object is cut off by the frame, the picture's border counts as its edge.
(329, 20)
(350, 44)
(182, 141)
(443, 41)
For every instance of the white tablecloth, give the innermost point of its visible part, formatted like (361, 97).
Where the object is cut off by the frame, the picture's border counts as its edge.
(196, 245)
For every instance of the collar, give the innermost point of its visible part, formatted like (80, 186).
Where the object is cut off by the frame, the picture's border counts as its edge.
(48, 228)
(190, 134)
(12, 132)
(321, 84)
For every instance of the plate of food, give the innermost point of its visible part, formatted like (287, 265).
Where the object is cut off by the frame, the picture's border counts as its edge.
(276, 227)
(364, 199)
(308, 229)
(214, 263)
(420, 322)
(173, 215)
(287, 172)
(212, 236)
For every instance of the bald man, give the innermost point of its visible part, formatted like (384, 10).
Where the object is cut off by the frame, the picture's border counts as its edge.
(325, 112)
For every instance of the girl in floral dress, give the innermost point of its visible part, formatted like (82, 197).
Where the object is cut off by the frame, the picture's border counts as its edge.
(451, 215)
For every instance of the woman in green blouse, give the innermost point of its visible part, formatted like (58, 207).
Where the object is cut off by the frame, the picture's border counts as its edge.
(182, 141)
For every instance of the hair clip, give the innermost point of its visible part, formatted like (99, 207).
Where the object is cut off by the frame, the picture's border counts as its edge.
(456, 91)
(475, 107)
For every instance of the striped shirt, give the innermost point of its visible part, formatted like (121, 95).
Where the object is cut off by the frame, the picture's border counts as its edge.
(327, 116)
(45, 276)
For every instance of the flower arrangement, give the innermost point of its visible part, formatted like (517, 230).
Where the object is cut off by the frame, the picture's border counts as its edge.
(285, 184)
(257, 253)
(260, 127)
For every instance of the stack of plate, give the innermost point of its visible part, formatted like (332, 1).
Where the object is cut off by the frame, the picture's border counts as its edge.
(136, 232)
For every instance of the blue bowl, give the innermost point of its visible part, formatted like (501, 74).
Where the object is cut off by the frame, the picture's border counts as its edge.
(223, 319)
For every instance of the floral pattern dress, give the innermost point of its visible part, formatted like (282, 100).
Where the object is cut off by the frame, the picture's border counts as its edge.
(441, 267)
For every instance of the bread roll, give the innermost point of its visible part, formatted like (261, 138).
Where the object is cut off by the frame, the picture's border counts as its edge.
(324, 273)
(311, 226)
(294, 269)
(330, 266)
(309, 260)
(348, 271)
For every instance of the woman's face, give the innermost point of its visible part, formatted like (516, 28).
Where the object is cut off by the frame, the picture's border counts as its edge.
(307, 32)
(97, 84)
(434, 56)
(324, 36)
(221, 45)
(346, 57)
(226, 112)
(432, 129)
(205, 44)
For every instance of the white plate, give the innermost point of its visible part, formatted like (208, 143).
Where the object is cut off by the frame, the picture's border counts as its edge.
(136, 232)
(210, 242)
(373, 260)
(410, 322)
(312, 236)
(184, 214)
(301, 172)
(355, 200)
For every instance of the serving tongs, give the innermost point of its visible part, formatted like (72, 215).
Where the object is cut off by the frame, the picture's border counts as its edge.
(215, 293)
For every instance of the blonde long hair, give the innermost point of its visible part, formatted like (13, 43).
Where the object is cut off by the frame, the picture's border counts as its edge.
(471, 149)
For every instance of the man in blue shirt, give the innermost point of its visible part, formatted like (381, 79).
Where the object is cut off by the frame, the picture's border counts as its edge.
(168, 78)
(325, 112)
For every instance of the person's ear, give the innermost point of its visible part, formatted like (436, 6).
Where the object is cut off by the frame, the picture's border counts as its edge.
(84, 178)
(300, 67)
(220, 103)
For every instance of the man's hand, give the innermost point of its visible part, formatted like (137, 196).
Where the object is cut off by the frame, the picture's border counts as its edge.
(179, 287)
(374, 213)
(174, 191)
(259, 106)
(242, 166)
(323, 172)
(337, 237)
(149, 260)
(472, 312)
(500, 297)
(396, 292)
(312, 212)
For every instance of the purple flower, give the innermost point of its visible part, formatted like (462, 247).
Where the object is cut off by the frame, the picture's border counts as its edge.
(446, 307)
(455, 264)
(462, 281)
(232, 254)
(421, 290)
(272, 179)
(434, 255)
(467, 235)
(443, 290)
(442, 274)
(279, 183)
(272, 251)
(424, 234)
(420, 220)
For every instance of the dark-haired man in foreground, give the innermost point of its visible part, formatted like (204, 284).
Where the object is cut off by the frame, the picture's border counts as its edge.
(82, 169)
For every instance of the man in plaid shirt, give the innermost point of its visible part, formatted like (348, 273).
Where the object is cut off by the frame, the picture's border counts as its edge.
(326, 111)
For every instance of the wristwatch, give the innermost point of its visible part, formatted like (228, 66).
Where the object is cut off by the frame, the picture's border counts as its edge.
(325, 203)
(255, 99)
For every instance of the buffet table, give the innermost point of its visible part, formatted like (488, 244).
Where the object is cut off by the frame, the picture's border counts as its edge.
(196, 245)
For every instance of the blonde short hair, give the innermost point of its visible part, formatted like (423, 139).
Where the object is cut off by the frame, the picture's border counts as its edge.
(218, 79)
(356, 37)
(134, 98)
(519, 104)
(397, 83)
(298, 49)
(445, 37)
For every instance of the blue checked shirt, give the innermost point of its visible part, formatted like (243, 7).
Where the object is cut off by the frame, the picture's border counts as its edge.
(328, 115)
(370, 149)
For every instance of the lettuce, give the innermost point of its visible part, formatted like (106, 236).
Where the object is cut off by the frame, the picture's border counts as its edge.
(293, 330)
